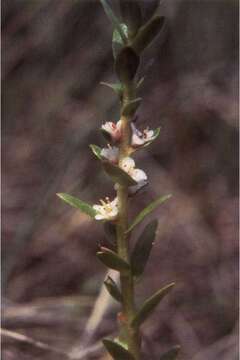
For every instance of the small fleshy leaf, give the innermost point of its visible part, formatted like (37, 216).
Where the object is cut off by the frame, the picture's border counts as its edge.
(143, 248)
(131, 15)
(110, 232)
(147, 210)
(147, 33)
(117, 41)
(113, 19)
(130, 108)
(96, 150)
(117, 351)
(77, 203)
(113, 289)
(117, 88)
(126, 64)
(171, 354)
(117, 174)
(150, 304)
(112, 260)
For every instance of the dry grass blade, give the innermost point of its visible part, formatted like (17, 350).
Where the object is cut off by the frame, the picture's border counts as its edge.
(25, 339)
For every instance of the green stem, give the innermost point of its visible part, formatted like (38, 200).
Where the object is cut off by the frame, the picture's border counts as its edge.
(131, 335)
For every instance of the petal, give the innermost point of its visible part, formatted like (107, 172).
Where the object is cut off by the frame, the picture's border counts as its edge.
(136, 140)
(98, 208)
(127, 164)
(113, 213)
(114, 202)
(149, 135)
(99, 217)
(138, 175)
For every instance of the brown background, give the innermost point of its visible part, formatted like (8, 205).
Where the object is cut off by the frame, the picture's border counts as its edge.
(54, 54)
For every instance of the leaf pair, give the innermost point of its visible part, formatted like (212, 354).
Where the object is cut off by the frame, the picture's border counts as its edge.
(147, 33)
(126, 64)
(112, 260)
(147, 210)
(143, 248)
(149, 305)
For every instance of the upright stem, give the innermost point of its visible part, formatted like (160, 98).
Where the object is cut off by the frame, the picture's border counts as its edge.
(130, 334)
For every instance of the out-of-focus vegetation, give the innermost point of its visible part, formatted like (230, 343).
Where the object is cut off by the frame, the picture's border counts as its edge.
(54, 54)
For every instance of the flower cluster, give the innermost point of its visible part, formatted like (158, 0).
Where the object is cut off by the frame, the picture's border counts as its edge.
(108, 210)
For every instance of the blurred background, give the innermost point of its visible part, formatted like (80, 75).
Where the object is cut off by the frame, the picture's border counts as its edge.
(54, 55)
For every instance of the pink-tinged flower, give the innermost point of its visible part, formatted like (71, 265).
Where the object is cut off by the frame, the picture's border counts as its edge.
(128, 165)
(110, 153)
(114, 130)
(108, 210)
(141, 138)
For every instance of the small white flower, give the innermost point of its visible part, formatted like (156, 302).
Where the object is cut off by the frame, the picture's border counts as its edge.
(107, 211)
(141, 138)
(128, 165)
(110, 153)
(113, 129)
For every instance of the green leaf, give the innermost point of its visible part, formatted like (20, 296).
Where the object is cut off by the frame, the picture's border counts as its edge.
(156, 134)
(126, 64)
(110, 232)
(131, 14)
(171, 354)
(117, 88)
(130, 108)
(147, 33)
(150, 304)
(117, 174)
(117, 42)
(143, 248)
(147, 210)
(117, 351)
(114, 20)
(113, 289)
(77, 203)
(96, 150)
(112, 259)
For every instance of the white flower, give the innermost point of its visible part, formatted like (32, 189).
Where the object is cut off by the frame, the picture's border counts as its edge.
(110, 153)
(113, 129)
(141, 138)
(128, 165)
(107, 211)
